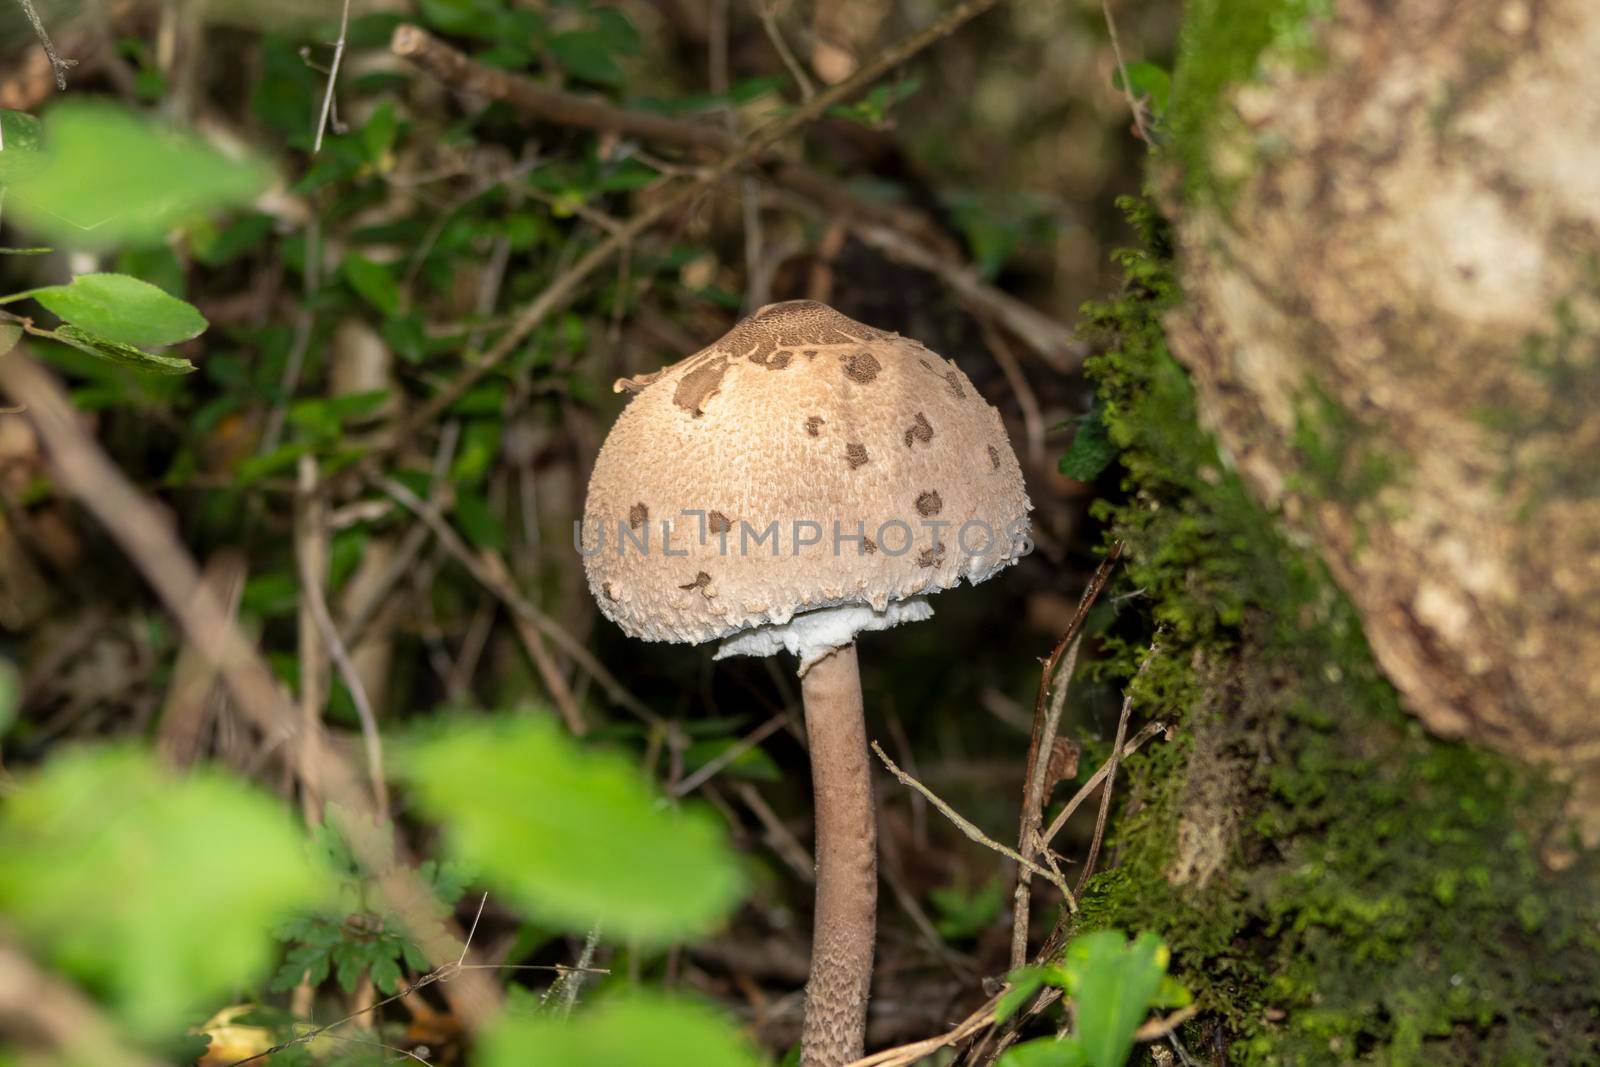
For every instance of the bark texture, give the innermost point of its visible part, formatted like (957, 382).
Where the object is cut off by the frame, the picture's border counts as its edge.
(1391, 270)
(835, 1026)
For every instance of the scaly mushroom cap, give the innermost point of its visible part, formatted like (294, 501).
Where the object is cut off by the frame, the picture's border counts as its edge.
(725, 465)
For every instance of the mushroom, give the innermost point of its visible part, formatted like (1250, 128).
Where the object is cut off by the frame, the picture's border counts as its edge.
(804, 479)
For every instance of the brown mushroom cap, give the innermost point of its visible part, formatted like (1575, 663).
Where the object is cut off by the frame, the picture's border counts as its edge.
(798, 416)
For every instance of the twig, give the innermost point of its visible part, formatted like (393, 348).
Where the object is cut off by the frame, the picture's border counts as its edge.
(729, 754)
(57, 64)
(305, 321)
(83, 470)
(1122, 69)
(1156, 1029)
(533, 641)
(1111, 771)
(904, 1055)
(1087, 789)
(780, 837)
(1046, 717)
(333, 76)
(520, 605)
(311, 579)
(1027, 401)
(769, 23)
(973, 832)
(566, 285)
(311, 558)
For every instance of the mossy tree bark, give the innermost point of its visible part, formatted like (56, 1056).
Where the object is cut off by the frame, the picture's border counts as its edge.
(1389, 251)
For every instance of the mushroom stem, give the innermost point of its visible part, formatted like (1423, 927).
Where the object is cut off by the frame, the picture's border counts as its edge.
(835, 1025)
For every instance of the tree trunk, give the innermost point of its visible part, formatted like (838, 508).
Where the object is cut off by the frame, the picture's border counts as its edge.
(1389, 248)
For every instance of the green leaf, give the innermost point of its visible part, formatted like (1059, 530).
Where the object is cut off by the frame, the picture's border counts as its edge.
(1046, 1052)
(1091, 450)
(577, 836)
(964, 913)
(586, 54)
(1024, 982)
(158, 890)
(117, 352)
(109, 176)
(20, 132)
(124, 309)
(374, 281)
(631, 1030)
(1113, 984)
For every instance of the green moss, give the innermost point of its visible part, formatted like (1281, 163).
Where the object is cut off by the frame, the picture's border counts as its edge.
(1374, 894)
(1222, 42)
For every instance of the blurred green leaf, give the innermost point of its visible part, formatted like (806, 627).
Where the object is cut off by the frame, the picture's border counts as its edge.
(10, 334)
(632, 1030)
(1046, 1052)
(576, 835)
(752, 763)
(586, 54)
(1024, 982)
(124, 309)
(20, 132)
(374, 281)
(122, 354)
(156, 889)
(110, 176)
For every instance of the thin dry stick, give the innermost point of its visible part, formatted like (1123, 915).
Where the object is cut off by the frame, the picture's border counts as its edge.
(729, 754)
(1122, 69)
(780, 837)
(1032, 417)
(1028, 835)
(1040, 740)
(508, 595)
(144, 533)
(533, 641)
(769, 23)
(973, 832)
(58, 65)
(566, 285)
(1087, 789)
(311, 557)
(333, 76)
(1111, 771)
(311, 590)
(904, 1055)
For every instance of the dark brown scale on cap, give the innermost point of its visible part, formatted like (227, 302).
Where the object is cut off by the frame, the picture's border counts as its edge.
(638, 515)
(719, 523)
(928, 503)
(815, 423)
(931, 557)
(855, 454)
(701, 580)
(861, 366)
(994, 458)
(919, 430)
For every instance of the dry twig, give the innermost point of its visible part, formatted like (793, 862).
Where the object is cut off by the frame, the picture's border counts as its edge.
(1111, 771)
(972, 832)
(1046, 717)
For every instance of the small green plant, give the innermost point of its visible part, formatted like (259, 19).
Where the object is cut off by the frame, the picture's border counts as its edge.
(1113, 984)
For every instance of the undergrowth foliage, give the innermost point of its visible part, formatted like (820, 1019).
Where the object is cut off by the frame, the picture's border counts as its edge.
(1316, 860)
